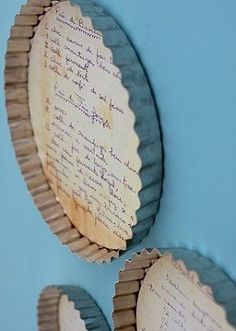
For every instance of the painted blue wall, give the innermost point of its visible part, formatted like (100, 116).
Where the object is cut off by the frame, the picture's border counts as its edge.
(189, 51)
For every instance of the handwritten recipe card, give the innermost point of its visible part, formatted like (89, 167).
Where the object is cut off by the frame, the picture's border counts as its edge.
(171, 299)
(84, 127)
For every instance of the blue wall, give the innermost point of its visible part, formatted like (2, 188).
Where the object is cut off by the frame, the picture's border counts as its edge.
(189, 51)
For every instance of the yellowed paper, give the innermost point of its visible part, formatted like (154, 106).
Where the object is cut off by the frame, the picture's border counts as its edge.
(171, 299)
(83, 126)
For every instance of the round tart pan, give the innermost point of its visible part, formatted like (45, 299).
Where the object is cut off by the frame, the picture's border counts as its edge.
(69, 308)
(134, 308)
(145, 128)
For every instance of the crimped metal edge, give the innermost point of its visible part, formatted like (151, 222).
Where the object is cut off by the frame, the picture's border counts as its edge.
(209, 278)
(48, 306)
(16, 78)
(142, 103)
